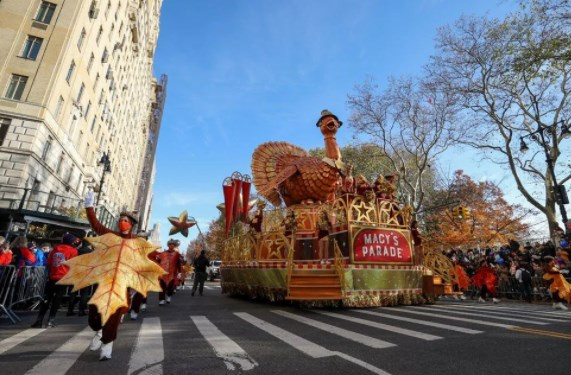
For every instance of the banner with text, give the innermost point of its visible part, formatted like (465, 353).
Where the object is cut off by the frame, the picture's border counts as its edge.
(381, 246)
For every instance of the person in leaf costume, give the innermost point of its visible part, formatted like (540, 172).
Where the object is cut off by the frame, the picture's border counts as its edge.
(486, 278)
(559, 288)
(171, 261)
(119, 262)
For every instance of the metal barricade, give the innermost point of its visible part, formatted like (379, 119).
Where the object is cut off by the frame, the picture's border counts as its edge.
(7, 279)
(29, 286)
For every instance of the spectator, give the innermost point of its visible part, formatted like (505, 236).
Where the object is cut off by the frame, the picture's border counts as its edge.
(83, 294)
(38, 253)
(54, 292)
(22, 256)
(46, 248)
(200, 265)
(523, 276)
(5, 252)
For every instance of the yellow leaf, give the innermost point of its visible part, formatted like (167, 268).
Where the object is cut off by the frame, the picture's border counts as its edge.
(115, 265)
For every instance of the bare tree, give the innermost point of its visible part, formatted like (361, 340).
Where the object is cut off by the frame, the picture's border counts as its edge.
(411, 122)
(512, 77)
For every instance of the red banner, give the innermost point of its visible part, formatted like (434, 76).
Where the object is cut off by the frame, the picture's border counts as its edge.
(381, 246)
(229, 204)
(245, 199)
(237, 195)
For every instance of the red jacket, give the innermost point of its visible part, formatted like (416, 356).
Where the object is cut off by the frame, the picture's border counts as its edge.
(5, 258)
(57, 257)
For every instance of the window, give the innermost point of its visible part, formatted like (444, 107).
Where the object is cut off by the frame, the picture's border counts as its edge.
(70, 175)
(70, 71)
(79, 141)
(80, 94)
(90, 63)
(59, 106)
(86, 114)
(16, 87)
(4, 125)
(96, 82)
(108, 9)
(51, 199)
(72, 126)
(78, 183)
(99, 33)
(105, 56)
(111, 31)
(47, 148)
(31, 47)
(46, 12)
(81, 39)
(60, 163)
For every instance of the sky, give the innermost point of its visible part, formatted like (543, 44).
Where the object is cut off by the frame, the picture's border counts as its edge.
(244, 72)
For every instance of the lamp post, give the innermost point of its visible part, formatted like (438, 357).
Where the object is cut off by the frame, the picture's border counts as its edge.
(106, 163)
(559, 190)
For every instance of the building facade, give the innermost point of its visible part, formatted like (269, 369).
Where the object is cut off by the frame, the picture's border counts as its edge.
(75, 82)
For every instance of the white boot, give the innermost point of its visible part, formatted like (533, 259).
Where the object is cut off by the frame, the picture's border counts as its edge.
(144, 307)
(96, 341)
(481, 300)
(555, 306)
(168, 299)
(561, 306)
(463, 297)
(106, 350)
(496, 300)
(134, 315)
(162, 302)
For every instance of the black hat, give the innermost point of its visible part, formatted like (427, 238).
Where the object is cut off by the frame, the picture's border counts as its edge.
(174, 242)
(131, 215)
(326, 113)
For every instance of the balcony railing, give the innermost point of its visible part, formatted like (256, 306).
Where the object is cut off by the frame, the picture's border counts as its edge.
(64, 206)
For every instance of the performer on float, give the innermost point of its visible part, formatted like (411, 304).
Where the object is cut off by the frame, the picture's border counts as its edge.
(258, 218)
(324, 227)
(559, 288)
(462, 281)
(171, 261)
(486, 279)
(105, 334)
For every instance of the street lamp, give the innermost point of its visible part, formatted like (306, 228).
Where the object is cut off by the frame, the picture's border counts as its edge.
(559, 190)
(106, 163)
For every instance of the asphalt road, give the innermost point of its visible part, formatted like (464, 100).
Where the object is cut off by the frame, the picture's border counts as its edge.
(216, 334)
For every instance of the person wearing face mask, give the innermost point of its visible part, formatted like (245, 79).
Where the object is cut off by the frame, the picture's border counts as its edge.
(171, 261)
(106, 334)
(5, 252)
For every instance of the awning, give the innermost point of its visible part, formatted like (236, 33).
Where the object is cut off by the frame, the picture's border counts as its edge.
(36, 219)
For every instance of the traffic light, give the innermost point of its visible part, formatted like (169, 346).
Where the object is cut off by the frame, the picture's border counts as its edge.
(561, 195)
(461, 212)
(466, 213)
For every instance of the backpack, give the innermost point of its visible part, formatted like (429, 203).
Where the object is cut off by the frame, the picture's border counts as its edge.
(525, 276)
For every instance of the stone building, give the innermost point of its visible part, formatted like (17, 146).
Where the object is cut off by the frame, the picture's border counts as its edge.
(75, 82)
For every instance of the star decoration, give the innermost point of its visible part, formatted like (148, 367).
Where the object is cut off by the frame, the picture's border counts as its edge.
(181, 224)
(364, 211)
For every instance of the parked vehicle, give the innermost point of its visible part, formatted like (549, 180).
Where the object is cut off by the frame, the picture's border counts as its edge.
(214, 270)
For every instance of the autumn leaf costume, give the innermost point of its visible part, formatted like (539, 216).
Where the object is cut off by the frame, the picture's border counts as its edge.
(120, 261)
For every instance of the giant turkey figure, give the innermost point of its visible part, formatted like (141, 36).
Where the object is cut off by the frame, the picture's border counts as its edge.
(286, 172)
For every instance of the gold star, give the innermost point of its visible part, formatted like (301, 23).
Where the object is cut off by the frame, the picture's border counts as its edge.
(181, 224)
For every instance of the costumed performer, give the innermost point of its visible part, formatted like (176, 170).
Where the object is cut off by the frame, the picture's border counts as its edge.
(462, 281)
(324, 227)
(107, 333)
(559, 288)
(171, 261)
(486, 279)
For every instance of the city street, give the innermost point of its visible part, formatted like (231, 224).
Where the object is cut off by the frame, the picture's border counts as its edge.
(216, 334)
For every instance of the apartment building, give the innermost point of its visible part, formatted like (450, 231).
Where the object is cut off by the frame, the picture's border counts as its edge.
(76, 83)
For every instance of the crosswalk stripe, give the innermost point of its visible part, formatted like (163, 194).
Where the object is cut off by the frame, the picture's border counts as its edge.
(303, 345)
(350, 335)
(556, 314)
(230, 352)
(61, 359)
(386, 327)
(422, 322)
(484, 315)
(148, 353)
(18, 338)
(492, 310)
(409, 310)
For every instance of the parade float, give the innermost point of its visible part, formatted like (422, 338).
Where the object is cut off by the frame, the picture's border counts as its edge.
(330, 239)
